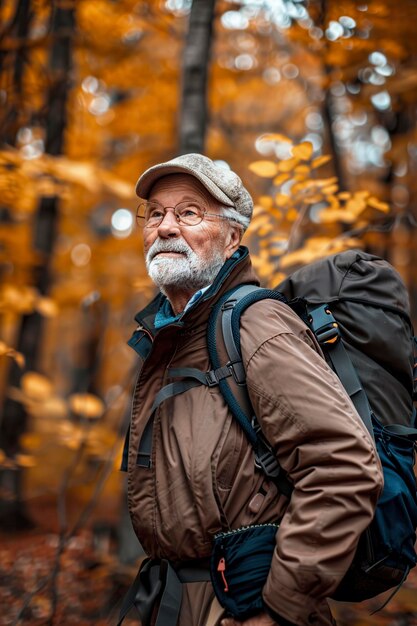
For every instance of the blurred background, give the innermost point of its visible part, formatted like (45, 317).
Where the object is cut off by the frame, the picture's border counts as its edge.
(312, 102)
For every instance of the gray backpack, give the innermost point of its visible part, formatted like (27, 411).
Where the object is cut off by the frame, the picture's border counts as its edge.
(357, 306)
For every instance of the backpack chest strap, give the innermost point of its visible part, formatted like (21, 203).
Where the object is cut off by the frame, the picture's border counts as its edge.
(144, 454)
(195, 378)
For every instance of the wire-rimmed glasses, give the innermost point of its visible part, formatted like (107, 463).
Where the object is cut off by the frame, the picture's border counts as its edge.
(188, 213)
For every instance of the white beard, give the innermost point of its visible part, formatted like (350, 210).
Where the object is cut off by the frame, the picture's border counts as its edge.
(188, 271)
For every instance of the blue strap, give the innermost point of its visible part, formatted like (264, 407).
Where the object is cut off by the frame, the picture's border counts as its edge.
(225, 319)
(398, 430)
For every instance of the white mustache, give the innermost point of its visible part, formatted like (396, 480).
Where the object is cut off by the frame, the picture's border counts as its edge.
(160, 245)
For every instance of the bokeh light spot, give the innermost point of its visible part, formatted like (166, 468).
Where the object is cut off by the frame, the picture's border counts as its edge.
(81, 254)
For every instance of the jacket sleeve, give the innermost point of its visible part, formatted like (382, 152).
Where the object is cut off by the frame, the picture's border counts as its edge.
(324, 447)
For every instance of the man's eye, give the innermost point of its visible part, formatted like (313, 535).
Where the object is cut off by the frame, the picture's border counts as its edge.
(189, 211)
(155, 214)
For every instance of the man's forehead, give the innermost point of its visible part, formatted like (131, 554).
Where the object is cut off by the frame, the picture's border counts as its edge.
(181, 183)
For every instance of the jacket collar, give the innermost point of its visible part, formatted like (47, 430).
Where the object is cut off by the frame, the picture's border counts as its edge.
(236, 270)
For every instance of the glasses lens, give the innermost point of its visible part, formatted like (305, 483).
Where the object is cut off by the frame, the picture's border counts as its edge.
(140, 214)
(189, 213)
(153, 213)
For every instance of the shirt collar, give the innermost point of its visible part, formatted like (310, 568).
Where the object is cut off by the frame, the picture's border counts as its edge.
(165, 314)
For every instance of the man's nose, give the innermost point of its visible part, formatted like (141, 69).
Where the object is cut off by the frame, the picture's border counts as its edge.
(169, 226)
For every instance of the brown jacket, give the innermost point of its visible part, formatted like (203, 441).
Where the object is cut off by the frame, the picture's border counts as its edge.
(203, 477)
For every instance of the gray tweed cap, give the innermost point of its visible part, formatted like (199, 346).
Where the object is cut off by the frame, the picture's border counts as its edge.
(223, 184)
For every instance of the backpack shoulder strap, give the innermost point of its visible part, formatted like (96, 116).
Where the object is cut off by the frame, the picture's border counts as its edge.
(327, 333)
(224, 330)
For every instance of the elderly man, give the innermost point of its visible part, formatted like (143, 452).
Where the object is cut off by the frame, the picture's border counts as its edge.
(191, 471)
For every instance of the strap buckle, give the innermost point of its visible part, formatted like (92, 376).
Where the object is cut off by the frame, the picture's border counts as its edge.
(229, 304)
(324, 325)
(235, 369)
(211, 378)
(143, 459)
(268, 464)
(238, 372)
(264, 457)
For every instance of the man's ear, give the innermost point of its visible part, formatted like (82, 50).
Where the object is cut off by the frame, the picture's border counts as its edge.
(234, 237)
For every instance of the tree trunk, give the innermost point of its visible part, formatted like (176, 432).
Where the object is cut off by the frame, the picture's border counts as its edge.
(19, 28)
(193, 117)
(30, 337)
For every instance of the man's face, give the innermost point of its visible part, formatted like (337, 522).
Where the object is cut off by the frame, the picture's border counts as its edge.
(186, 257)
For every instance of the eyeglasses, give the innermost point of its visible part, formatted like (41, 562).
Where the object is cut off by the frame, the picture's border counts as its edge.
(188, 213)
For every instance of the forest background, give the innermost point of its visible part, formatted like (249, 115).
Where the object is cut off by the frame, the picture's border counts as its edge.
(312, 102)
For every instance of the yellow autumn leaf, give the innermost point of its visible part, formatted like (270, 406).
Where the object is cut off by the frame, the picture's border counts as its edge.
(36, 386)
(264, 230)
(355, 205)
(292, 215)
(259, 209)
(265, 270)
(344, 195)
(265, 202)
(302, 256)
(259, 220)
(25, 460)
(281, 239)
(362, 194)
(333, 202)
(5, 350)
(374, 203)
(313, 199)
(31, 441)
(265, 169)
(320, 160)
(53, 407)
(288, 165)
(301, 172)
(281, 179)
(47, 307)
(86, 405)
(303, 151)
(332, 216)
(277, 213)
(278, 278)
(326, 182)
(20, 299)
(282, 199)
(331, 189)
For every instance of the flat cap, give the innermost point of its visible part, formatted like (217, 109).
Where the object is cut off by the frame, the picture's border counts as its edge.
(223, 184)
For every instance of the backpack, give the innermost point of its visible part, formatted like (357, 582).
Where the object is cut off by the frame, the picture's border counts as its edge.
(357, 306)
